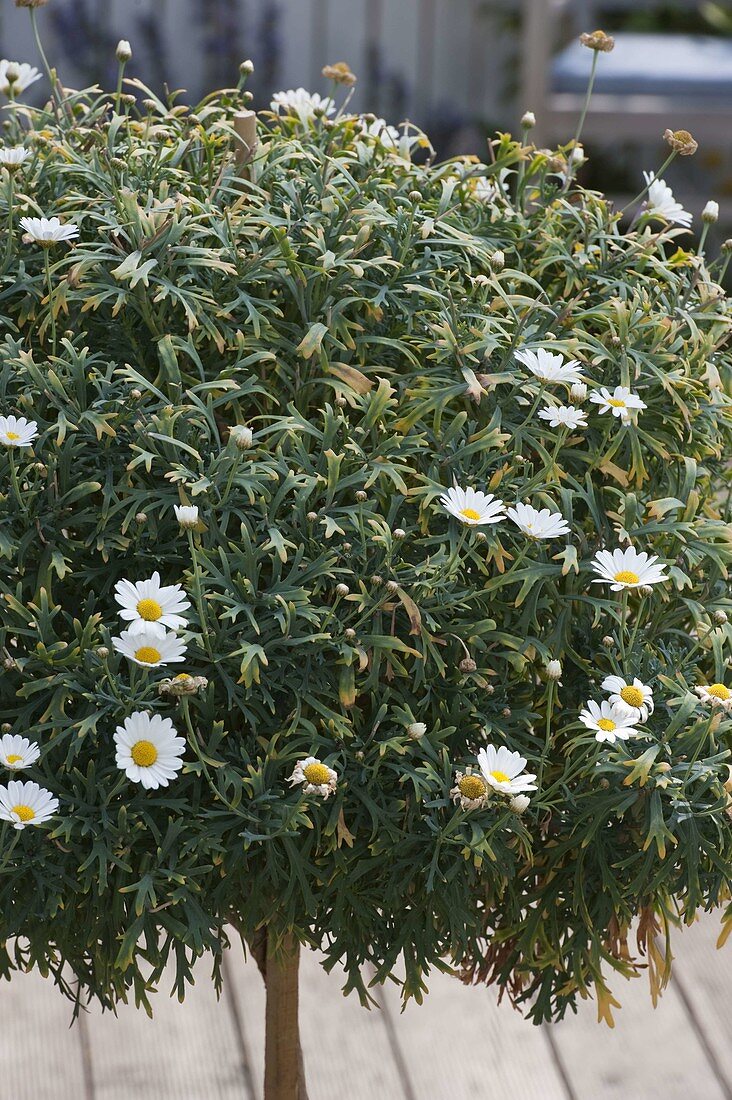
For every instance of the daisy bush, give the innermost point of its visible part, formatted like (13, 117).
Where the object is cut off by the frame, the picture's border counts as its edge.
(365, 548)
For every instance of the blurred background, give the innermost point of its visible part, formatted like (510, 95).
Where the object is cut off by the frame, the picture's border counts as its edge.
(462, 69)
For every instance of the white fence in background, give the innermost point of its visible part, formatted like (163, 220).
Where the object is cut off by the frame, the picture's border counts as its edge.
(423, 59)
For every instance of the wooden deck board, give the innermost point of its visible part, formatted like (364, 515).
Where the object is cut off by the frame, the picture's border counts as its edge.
(647, 1054)
(458, 1045)
(188, 1051)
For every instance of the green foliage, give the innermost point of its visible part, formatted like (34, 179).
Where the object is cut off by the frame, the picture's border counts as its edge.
(348, 305)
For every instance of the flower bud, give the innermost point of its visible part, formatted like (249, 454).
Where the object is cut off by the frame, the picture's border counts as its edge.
(399, 533)
(467, 665)
(528, 120)
(377, 580)
(102, 652)
(350, 633)
(140, 518)
(6, 727)
(187, 516)
(415, 196)
(710, 213)
(608, 642)
(727, 245)
(246, 68)
(30, 3)
(578, 392)
(342, 589)
(311, 517)
(361, 496)
(520, 803)
(646, 590)
(123, 52)
(498, 261)
(12, 72)
(506, 712)
(241, 437)
(416, 730)
(554, 669)
(720, 617)
(182, 684)
(392, 586)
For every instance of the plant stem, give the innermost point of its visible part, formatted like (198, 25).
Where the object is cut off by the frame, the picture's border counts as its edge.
(198, 594)
(49, 284)
(583, 116)
(49, 72)
(284, 1077)
(551, 686)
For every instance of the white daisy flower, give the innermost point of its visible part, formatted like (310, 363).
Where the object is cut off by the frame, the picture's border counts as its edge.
(18, 752)
(48, 231)
(627, 569)
(26, 804)
(715, 695)
(549, 366)
(609, 721)
(633, 694)
(472, 506)
(16, 431)
(502, 770)
(145, 602)
(470, 791)
(148, 749)
(187, 515)
(16, 76)
(306, 105)
(317, 777)
(380, 129)
(488, 188)
(14, 156)
(619, 403)
(662, 204)
(150, 648)
(543, 524)
(563, 416)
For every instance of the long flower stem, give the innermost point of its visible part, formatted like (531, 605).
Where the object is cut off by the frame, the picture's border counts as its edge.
(581, 123)
(551, 686)
(49, 284)
(10, 229)
(49, 71)
(198, 595)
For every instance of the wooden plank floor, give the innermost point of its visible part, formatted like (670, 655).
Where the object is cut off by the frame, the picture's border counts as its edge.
(458, 1045)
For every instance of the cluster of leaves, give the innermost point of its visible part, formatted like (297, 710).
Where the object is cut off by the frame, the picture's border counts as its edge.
(360, 311)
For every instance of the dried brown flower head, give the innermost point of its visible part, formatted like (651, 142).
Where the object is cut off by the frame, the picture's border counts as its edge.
(340, 73)
(681, 141)
(599, 41)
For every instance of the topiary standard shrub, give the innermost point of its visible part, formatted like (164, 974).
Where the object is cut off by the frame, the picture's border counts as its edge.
(365, 553)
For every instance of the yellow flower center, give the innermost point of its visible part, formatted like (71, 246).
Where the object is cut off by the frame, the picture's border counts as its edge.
(633, 696)
(472, 786)
(183, 676)
(144, 754)
(25, 813)
(316, 774)
(606, 724)
(13, 758)
(616, 403)
(147, 655)
(626, 576)
(719, 691)
(501, 777)
(149, 610)
(470, 513)
(12, 435)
